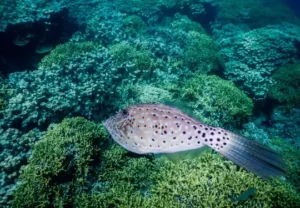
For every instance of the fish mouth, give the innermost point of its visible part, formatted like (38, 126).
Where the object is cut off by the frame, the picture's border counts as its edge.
(114, 123)
(108, 123)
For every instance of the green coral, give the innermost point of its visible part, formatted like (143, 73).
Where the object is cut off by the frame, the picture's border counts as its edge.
(255, 13)
(125, 180)
(131, 94)
(133, 25)
(4, 92)
(60, 163)
(200, 53)
(67, 168)
(61, 166)
(183, 23)
(287, 85)
(205, 181)
(292, 157)
(211, 181)
(135, 62)
(64, 52)
(216, 101)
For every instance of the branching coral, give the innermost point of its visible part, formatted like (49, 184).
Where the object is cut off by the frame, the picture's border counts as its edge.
(217, 101)
(285, 123)
(209, 181)
(185, 24)
(123, 181)
(63, 171)
(286, 88)
(79, 87)
(201, 53)
(64, 52)
(16, 148)
(292, 157)
(141, 93)
(252, 57)
(255, 13)
(133, 25)
(61, 162)
(134, 62)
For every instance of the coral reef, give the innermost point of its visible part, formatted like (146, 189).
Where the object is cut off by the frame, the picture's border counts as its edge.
(132, 61)
(292, 157)
(15, 149)
(81, 86)
(286, 88)
(106, 25)
(75, 156)
(285, 124)
(255, 13)
(18, 11)
(61, 161)
(28, 26)
(67, 51)
(153, 10)
(133, 25)
(213, 59)
(200, 53)
(141, 93)
(216, 101)
(209, 181)
(252, 57)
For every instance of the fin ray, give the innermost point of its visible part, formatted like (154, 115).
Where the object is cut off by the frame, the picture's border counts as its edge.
(253, 156)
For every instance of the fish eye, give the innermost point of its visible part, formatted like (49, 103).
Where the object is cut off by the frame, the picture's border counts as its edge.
(124, 112)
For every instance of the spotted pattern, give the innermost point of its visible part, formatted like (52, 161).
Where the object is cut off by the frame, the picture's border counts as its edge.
(162, 129)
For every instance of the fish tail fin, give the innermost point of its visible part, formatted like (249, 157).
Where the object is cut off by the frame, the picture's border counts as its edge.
(253, 156)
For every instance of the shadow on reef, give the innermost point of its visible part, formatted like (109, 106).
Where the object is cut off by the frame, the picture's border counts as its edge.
(24, 43)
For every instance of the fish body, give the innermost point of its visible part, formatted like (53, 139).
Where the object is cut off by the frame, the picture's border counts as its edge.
(158, 128)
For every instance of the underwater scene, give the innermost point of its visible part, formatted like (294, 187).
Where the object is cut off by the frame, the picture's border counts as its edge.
(149, 103)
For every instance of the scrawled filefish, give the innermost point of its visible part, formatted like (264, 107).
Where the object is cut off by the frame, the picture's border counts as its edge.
(158, 128)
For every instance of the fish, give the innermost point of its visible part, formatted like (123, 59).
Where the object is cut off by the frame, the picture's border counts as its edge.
(160, 128)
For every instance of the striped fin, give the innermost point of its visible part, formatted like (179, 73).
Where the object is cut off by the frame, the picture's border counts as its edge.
(253, 156)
